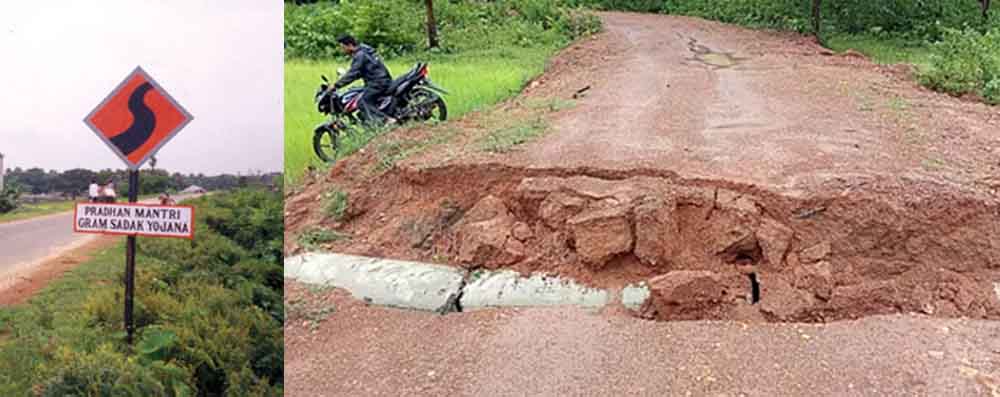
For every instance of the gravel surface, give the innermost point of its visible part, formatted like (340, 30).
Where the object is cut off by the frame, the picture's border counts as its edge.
(337, 346)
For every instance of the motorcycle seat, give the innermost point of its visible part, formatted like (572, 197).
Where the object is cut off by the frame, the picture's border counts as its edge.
(405, 77)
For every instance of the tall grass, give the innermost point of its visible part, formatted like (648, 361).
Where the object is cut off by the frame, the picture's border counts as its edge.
(473, 81)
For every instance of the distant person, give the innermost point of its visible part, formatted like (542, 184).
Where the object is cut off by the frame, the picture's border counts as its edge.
(165, 199)
(94, 191)
(367, 66)
(109, 192)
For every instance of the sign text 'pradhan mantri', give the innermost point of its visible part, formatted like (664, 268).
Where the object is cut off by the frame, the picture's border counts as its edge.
(135, 219)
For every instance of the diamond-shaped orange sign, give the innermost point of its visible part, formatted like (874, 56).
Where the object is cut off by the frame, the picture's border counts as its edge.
(137, 118)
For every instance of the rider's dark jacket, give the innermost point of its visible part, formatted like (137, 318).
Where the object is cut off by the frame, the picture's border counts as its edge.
(366, 65)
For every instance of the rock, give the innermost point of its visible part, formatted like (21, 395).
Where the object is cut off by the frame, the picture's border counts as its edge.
(816, 278)
(656, 231)
(781, 301)
(737, 242)
(601, 234)
(734, 201)
(513, 251)
(815, 253)
(521, 231)
(487, 208)
(774, 239)
(684, 294)
(483, 235)
(558, 207)
(481, 242)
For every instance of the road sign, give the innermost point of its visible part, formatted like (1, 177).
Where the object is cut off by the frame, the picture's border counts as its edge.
(137, 118)
(135, 219)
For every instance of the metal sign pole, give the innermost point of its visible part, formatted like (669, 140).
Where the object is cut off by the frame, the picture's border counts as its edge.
(133, 196)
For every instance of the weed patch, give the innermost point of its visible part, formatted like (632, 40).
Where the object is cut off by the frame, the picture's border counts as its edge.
(312, 239)
(335, 204)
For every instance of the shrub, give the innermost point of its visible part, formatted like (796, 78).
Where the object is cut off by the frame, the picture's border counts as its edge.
(966, 62)
(106, 372)
(208, 316)
(8, 197)
(396, 27)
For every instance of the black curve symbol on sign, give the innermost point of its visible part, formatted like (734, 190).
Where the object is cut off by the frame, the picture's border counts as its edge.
(143, 122)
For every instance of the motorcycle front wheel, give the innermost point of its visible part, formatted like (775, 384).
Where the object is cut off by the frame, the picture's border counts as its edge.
(325, 143)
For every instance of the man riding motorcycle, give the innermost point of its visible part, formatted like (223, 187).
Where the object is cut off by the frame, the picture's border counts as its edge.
(366, 65)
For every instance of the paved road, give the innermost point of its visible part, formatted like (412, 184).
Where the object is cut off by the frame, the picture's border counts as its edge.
(26, 241)
(32, 239)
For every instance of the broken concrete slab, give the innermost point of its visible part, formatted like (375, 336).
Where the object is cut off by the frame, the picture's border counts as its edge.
(509, 289)
(634, 295)
(402, 284)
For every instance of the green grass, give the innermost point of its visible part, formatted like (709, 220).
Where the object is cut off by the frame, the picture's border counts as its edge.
(884, 50)
(313, 238)
(56, 317)
(28, 211)
(505, 138)
(474, 81)
(335, 204)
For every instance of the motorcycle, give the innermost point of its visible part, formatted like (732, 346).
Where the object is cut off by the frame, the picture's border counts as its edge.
(410, 97)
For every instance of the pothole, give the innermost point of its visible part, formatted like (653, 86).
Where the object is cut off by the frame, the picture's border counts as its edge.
(708, 56)
(702, 247)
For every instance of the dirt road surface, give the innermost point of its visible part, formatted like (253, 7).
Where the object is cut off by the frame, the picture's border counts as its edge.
(358, 350)
(700, 153)
(708, 100)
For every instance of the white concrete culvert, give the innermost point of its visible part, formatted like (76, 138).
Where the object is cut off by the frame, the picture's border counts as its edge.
(634, 295)
(387, 282)
(430, 287)
(509, 289)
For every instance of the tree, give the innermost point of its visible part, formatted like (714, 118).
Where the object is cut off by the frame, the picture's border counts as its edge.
(817, 19)
(986, 9)
(432, 39)
(73, 182)
(8, 197)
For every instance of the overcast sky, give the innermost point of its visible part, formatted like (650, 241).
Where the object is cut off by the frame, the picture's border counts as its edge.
(220, 59)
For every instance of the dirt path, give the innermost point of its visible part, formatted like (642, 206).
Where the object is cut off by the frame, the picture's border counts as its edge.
(361, 350)
(708, 100)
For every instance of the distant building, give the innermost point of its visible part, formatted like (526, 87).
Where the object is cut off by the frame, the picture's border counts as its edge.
(193, 189)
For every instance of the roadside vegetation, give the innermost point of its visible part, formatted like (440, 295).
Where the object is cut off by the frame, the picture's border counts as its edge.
(9, 195)
(953, 44)
(20, 211)
(208, 314)
(486, 52)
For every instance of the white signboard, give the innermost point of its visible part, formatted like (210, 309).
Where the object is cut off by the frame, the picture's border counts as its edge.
(135, 219)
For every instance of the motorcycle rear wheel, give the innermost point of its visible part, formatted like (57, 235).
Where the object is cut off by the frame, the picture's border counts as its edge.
(426, 105)
(326, 143)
